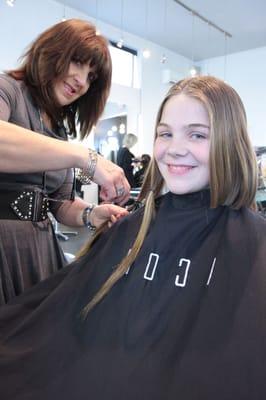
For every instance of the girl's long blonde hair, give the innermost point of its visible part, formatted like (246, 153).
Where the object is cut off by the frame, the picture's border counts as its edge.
(233, 167)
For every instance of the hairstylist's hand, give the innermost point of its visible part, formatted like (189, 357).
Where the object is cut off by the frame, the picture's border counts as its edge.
(111, 178)
(106, 212)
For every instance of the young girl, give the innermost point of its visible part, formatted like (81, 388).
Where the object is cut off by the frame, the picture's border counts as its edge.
(182, 316)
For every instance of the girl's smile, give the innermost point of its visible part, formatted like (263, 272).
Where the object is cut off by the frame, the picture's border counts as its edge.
(179, 169)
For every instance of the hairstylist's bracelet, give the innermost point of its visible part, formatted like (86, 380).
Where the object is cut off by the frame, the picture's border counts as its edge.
(86, 217)
(86, 175)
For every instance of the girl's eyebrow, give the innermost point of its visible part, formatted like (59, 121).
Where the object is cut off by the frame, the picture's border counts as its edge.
(197, 125)
(163, 125)
(194, 125)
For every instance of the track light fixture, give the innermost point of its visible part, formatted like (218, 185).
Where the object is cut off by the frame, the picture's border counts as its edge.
(194, 70)
(146, 53)
(64, 13)
(98, 32)
(120, 42)
(163, 57)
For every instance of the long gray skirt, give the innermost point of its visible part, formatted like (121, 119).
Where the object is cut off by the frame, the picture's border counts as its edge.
(29, 253)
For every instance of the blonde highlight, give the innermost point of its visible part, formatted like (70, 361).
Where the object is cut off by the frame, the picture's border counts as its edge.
(128, 260)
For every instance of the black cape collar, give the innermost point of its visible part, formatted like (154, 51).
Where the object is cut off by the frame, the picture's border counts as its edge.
(191, 200)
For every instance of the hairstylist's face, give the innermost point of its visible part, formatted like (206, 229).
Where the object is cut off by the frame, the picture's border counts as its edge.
(75, 84)
(182, 145)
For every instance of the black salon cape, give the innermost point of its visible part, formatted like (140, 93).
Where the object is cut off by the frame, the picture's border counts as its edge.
(187, 321)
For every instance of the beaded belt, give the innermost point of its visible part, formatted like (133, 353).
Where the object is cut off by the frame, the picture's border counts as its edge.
(27, 205)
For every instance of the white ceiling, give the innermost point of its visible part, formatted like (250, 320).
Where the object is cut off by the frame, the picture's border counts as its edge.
(168, 24)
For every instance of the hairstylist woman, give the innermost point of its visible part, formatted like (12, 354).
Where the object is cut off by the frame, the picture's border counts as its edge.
(64, 79)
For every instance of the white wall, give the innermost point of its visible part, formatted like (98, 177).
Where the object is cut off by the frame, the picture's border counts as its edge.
(246, 72)
(19, 25)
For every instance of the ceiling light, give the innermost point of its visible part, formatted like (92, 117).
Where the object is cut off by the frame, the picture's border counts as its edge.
(163, 59)
(120, 43)
(146, 53)
(10, 3)
(194, 71)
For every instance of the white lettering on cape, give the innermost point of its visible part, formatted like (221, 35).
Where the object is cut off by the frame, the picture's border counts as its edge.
(182, 282)
(152, 264)
(181, 277)
(211, 272)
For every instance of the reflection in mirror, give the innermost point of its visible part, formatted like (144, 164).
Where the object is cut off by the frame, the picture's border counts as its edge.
(110, 130)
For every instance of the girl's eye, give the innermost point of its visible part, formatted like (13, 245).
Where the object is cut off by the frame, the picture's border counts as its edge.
(164, 134)
(198, 135)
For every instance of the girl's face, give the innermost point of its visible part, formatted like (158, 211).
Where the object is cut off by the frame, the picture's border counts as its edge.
(75, 84)
(182, 145)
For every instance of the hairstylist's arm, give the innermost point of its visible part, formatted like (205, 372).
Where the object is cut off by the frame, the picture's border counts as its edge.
(70, 213)
(22, 150)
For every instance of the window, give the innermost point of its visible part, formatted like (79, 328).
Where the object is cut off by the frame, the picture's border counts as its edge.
(125, 71)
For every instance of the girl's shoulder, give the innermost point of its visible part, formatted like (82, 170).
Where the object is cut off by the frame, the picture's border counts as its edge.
(249, 225)
(254, 219)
